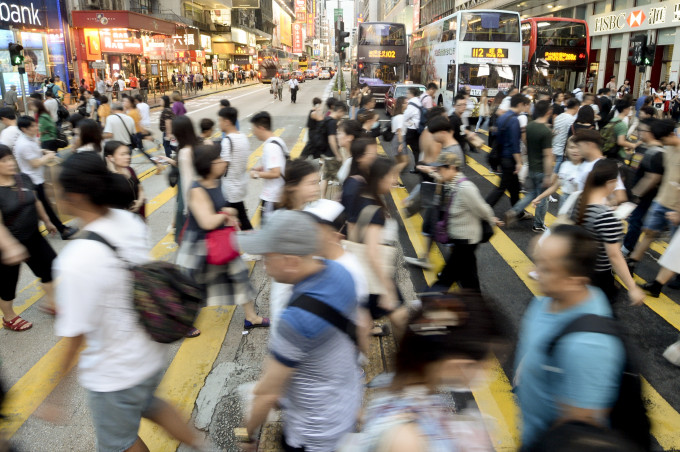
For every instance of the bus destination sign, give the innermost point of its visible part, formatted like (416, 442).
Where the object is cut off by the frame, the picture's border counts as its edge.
(562, 57)
(382, 54)
(494, 52)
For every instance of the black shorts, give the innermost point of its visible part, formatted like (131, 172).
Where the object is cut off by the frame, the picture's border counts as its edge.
(242, 215)
(376, 311)
(41, 256)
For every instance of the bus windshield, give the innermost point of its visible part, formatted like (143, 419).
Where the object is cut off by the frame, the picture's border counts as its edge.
(494, 77)
(489, 26)
(381, 73)
(558, 33)
(382, 35)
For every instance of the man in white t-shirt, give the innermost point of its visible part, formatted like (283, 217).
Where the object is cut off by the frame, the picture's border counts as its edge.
(272, 164)
(235, 151)
(293, 86)
(51, 105)
(561, 126)
(589, 143)
(505, 103)
(143, 107)
(11, 132)
(119, 126)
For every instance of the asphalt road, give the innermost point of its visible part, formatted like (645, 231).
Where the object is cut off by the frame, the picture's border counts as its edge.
(204, 373)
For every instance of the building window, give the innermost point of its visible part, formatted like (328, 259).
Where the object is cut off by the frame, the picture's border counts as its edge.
(601, 7)
(642, 2)
(622, 4)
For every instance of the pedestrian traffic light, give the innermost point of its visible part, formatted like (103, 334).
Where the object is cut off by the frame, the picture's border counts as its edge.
(15, 54)
(638, 50)
(648, 52)
(340, 35)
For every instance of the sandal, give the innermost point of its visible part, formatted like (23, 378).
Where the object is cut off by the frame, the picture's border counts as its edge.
(194, 332)
(384, 331)
(17, 324)
(249, 325)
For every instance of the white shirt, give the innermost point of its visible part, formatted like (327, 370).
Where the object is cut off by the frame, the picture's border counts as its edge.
(121, 126)
(9, 136)
(397, 123)
(25, 150)
(101, 86)
(412, 114)
(569, 174)
(145, 118)
(426, 101)
(121, 84)
(578, 94)
(505, 104)
(119, 353)
(292, 83)
(273, 157)
(586, 167)
(561, 127)
(353, 266)
(235, 150)
(51, 105)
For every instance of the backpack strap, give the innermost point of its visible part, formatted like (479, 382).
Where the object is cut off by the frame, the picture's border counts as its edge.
(588, 323)
(327, 313)
(89, 235)
(283, 150)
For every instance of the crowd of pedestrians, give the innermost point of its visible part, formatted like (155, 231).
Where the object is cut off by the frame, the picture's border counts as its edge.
(331, 256)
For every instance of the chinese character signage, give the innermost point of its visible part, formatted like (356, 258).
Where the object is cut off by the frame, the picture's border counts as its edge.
(644, 17)
(118, 40)
(300, 11)
(298, 38)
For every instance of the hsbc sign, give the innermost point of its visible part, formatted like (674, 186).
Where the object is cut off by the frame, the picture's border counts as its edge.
(653, 16)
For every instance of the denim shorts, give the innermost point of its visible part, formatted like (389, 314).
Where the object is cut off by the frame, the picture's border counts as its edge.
(117, 414)
(656, 218)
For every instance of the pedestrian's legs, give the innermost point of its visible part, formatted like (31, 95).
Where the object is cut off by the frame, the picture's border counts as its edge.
(166, 146)
(479, 122)
(507, 170)
(513, 184)
(536, 189)
(461, 267)
(635, 225)
(40, 191)
(170, 420)
(412, 139)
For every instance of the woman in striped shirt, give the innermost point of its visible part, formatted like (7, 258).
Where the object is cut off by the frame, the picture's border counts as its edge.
(596, 217)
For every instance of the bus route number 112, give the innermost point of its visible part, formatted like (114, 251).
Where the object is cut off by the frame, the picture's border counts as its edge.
(481, 52)
(382, 54)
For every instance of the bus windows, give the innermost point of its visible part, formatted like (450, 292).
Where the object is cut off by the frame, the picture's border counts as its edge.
(382, 35)
(563, 34)
(487, 27)
(449, 30)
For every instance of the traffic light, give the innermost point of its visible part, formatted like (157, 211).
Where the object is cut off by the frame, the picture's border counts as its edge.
(15, 54)
(639, 43)
(648, 52)
(340, 36)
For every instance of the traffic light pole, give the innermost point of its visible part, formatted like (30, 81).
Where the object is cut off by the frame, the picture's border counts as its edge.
(22, 71)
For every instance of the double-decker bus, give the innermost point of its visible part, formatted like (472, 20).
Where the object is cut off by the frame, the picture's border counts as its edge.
(380, 56)
(472, 50)
(555, 52)
(271, 61)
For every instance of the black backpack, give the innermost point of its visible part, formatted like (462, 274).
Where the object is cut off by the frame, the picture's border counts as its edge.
(494, 156)
(628, 417)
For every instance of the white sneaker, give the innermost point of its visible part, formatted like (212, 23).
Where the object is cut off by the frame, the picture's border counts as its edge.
(250, 257)
(672, 354)
(551, 198)
(533, 274)
(421, 262)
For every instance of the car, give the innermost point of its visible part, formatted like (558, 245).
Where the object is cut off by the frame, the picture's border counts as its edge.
(310, 74)
(285, 74)
(299, 76)
(324, 75)
(397, 90)
(346, 69)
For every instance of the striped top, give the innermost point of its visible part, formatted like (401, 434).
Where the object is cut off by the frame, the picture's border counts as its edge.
(322, 399)
(605, 228)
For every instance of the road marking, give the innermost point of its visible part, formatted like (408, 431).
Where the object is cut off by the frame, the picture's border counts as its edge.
(32, 389)
(231, 99)
(299, 145)
(257, 153)
(187, 373)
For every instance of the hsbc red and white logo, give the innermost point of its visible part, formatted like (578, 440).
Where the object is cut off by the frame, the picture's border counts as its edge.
(636, 18)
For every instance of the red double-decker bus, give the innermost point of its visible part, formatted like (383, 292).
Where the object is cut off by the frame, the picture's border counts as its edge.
(556, 51)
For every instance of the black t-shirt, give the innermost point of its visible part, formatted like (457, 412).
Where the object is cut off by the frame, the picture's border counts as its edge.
(330, 128)
(457, 124)
(350, 193)
(17, 204)
(359, 204)
(652, 162)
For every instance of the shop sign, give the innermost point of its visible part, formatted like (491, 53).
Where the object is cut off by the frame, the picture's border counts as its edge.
(298, 38)
(640, 18)
(23, 13)
(99, 64)
(187, 38)
(245, 4)
(206, 43)
(244, 50)
(121, 19)
(118, 40)
(93, 50)
(197, 56)
(300, 11)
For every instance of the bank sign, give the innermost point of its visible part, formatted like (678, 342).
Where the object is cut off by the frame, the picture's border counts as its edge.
(22, 14)
(647, 17)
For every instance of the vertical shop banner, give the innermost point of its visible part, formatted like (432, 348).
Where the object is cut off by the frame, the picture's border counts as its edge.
(416, 14)
(93, 49)
(298, 37)
(311, 18)
(285, 26)
(300, 11)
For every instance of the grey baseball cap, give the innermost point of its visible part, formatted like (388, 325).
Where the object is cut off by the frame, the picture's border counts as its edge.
(285, 232)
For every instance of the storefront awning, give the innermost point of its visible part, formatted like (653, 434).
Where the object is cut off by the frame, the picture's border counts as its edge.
(122, 19)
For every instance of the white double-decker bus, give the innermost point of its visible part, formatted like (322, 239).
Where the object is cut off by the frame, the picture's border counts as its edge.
(476, 50)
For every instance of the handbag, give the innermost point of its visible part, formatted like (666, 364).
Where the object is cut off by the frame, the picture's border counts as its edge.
(220, 246)
(62, 140)
(173, 176)
(355, 245)
(387, 133)
(441, 228)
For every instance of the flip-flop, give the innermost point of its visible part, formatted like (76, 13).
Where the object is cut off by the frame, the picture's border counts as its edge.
(194, 332)
(385, 331)
(249, 325)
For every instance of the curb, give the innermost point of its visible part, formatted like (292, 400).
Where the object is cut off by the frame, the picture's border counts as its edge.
(196, 96)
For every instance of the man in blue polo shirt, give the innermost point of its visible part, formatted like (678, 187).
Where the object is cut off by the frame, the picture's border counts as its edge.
(312, 370)
(509, 135)
(579, 381)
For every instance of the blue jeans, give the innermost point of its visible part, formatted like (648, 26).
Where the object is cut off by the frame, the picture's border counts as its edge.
(482, 120)
(536, 180)
(635, 224)
(558, 161)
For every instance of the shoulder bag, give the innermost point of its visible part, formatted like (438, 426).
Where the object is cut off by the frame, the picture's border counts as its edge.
(355, 245)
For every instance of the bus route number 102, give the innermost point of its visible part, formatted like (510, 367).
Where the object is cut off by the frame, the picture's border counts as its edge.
(382, 54)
